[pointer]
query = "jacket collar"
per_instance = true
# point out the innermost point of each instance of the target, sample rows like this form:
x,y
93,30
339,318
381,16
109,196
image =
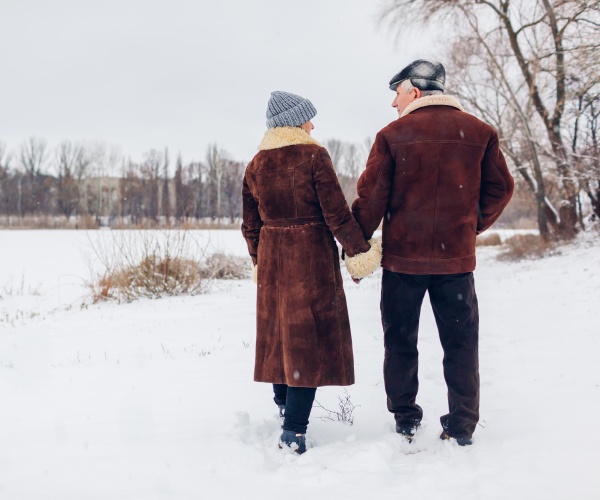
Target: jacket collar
x,y
279,137
432,100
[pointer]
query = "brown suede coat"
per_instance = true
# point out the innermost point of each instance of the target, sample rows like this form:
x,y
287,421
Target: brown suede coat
x,y
437,178
293,207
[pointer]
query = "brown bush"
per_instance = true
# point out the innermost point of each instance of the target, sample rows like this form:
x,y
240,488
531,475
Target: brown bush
x,y
488,240
153,277
226,267
526,246
150,264
156,277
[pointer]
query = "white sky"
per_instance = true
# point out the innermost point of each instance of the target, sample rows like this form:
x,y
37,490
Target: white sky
x,y
143,74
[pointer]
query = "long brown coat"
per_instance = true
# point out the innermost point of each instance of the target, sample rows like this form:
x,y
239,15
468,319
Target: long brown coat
x,y
293,208
437,177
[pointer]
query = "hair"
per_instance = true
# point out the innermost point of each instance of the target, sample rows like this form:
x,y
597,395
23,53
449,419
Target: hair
x,y
408,87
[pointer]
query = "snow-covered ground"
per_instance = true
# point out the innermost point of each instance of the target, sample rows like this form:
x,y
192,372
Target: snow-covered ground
x,y
155,399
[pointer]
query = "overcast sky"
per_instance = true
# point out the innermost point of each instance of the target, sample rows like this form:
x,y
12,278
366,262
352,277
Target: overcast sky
x,y
143,74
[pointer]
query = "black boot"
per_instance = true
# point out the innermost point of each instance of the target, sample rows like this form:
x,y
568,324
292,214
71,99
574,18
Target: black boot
x,y
462,441
293,440
407,430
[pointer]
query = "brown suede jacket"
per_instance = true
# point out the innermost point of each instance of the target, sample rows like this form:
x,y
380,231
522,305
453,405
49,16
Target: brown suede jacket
x,y
437,177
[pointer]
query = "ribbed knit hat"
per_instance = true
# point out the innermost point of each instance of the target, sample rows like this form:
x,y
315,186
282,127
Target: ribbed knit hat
x,y
288,110
423,74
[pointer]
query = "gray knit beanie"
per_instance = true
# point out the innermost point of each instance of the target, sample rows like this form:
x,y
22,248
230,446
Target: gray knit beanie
x,y
288,110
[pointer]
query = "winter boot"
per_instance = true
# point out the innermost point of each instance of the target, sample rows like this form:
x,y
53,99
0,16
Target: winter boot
x,y
407,431
462,441
293,440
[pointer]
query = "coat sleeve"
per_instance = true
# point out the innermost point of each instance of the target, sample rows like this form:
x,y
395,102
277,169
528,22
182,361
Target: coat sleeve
x,y
334,207
497,185
251,221
374,187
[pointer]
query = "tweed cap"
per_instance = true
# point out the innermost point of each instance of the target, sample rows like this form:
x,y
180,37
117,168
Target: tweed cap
x,y
288,110
423,74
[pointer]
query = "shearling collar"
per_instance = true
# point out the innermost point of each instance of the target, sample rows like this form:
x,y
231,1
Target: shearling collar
x,y
432,100
279,137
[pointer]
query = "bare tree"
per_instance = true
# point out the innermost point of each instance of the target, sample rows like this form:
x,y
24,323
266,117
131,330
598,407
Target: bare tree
x,y
348,160
151,167
585,147
216,163
34,155
335,148
165,198
5,181
232,189
67,195
33,158
200,189
529,54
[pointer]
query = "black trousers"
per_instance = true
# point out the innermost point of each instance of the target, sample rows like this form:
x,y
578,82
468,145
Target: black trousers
x,y
456,312
298,403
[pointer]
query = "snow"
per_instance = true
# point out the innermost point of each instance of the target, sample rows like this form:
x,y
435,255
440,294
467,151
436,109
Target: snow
x,y
155,399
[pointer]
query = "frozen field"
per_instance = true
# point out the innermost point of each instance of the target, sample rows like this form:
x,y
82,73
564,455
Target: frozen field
x,y
155,399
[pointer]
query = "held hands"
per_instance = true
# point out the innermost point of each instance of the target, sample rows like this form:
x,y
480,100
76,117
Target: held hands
x,y
361,265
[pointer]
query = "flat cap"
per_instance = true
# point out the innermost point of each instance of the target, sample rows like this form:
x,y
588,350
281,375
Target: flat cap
x,y
423,74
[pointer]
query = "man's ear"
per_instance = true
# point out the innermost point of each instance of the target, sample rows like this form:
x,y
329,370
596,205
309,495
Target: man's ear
x,y
417,93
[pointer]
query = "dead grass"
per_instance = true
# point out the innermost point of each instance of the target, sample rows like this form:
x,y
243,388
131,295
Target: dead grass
x,y
153,277
527,246
48,222
87,221
226,267
154,264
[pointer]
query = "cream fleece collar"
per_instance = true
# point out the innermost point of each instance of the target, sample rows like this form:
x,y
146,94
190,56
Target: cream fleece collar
x,y
279,137
432,100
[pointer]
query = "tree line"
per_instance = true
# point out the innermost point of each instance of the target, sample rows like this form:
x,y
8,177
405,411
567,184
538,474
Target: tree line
x,y
94,183
90,185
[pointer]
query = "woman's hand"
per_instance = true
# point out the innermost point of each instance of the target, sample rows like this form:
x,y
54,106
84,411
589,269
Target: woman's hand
x,y
361,265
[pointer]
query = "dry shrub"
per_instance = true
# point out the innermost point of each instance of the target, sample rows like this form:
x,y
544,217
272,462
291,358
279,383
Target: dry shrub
x,y
152,278
526,246
488,240
226,267
154,264
344,413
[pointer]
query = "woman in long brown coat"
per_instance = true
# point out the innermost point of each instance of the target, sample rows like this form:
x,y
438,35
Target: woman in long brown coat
x,y
293,207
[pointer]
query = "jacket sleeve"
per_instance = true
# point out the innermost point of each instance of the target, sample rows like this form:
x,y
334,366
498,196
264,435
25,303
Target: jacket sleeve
x,y
497,185
335,210
374,187
251,221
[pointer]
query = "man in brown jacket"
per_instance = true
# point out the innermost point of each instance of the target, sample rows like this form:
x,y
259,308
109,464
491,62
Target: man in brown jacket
x,y
437,178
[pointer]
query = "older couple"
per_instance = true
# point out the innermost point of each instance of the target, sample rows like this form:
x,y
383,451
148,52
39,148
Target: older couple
x,y
437,178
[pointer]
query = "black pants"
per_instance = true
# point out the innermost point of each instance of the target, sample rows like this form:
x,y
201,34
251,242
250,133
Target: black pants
x,y
298,402
454,304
